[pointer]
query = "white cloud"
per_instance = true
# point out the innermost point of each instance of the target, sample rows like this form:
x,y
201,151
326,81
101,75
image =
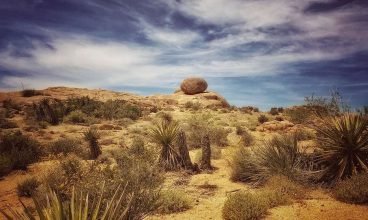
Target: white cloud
x,y
81,60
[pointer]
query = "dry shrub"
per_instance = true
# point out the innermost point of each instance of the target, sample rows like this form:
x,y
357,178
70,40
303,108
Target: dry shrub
x,y
171,201
28,186
244,206
66,146
17,151
262,119
201,125
353,190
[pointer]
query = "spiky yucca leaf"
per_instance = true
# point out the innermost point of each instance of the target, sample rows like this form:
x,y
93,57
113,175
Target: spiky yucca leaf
x,y
78,208
344,143
165,133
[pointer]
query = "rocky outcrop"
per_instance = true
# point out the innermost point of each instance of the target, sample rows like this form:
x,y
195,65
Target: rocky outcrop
x,y
194,85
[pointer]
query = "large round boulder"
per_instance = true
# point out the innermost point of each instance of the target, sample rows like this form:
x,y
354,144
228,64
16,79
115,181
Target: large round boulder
x,y
194,85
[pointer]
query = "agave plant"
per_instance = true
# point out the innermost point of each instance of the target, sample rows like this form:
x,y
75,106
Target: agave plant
x,y
344,143
165,134
78,208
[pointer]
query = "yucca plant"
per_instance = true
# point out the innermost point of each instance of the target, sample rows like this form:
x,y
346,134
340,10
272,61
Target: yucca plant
x,y
165,133
78,208
92,136
344,143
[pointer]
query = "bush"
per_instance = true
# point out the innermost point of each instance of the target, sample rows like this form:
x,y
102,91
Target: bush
x,y
137,147
17,151
201,125
7,124
262,119
28,187
353,190
247,139
274,111
115,109
172,201
244,206
299,114
279,118
286,187
51,111
344,144
76,116
65,175
30,92
278,156
193,105
65,146
239,130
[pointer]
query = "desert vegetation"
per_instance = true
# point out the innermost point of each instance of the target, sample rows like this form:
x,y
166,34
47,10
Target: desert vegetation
x,y
132,158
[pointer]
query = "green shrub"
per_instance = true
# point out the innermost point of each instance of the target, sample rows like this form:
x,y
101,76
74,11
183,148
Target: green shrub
x,y
140,171
115,109
19,150
262,119
201,125
299,114
92,136
244,206
65,175
171,201
137,147
344,143
51,111
352,190
28,187
30,92
65,146
278,156
76,116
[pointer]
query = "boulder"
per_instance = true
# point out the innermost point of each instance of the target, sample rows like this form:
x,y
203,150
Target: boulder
x,y
192,86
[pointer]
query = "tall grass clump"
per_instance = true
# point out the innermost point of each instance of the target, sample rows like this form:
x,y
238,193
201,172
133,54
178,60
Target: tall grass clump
x,y
262,119
344,143
92,136
278,156
66,146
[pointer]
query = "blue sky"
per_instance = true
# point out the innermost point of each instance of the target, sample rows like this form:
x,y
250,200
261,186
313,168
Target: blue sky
x,y
254,52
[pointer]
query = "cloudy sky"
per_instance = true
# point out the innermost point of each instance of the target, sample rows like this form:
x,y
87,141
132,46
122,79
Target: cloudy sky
x,y
254,52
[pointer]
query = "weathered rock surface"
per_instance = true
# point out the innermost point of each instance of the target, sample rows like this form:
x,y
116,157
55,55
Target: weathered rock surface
x,y
194,85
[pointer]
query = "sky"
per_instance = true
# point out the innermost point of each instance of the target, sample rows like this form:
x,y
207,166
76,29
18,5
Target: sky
x,y
254,52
